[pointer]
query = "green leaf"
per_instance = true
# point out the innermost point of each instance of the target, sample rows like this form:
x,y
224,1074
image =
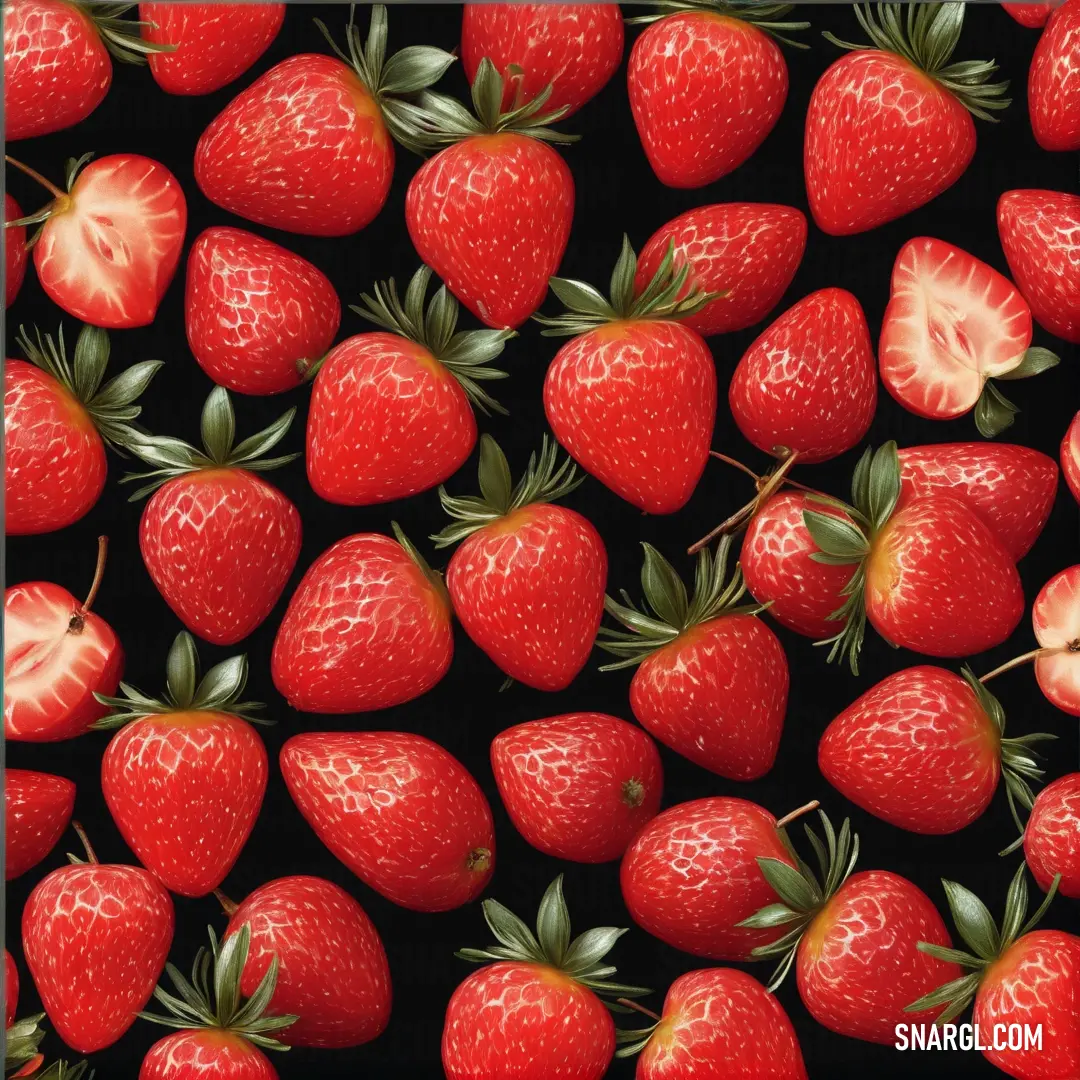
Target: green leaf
x,y
553,924
958,992
218,425
994,412
589,948
182,669
884,484
222,684
663,588
1016,904
580,297
511,931
126,387
622,278
90,361
414,68
792,888
487,94
772,915
973,921
494,475
837,537
1036,360
1042,908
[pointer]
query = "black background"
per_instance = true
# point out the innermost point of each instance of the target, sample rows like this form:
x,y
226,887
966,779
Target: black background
x,y
616,192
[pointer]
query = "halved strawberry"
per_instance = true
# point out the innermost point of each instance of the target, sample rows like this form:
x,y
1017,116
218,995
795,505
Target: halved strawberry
x,y
1052,836
747,253
954,323
1055,617
1054,81
1033,16
14,251
633,396
258,317
1070,457
37,809
392,413
111,241
57,656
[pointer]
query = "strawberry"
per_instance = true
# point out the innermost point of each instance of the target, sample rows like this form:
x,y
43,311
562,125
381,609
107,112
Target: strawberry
x,y
573,48
1052,836
1032,16
953,325
11,972
536,1011
1040,235
14,251
332,972
924,750
490,213
528,581
578,786
1054,81
308,146
95,937
930,576
57,66
706,87
1017,976
807,385
402,813
890,125
110,243
57,656
711,679
222,1031
689,877
1070,457
855,940
37,809
1055,617
212,44
392,412
56,409
218,541
747,253
717,1022
184,777
367,628
1012,488
633,396
258,317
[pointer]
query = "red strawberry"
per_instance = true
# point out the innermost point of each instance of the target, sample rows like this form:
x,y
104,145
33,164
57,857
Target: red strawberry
x,y
706,87
367,628
184,777
14,251
573,48
855,941
1052,836
56,410
221,1030
924,750
1032,16
528,581
633,396
689,877
1054,81
11,972
535,1012
746,252
1017,977
57,69
213,44
807,384
218,541
952,325
491,213
711,679
111,241
392,413
331,967
889,125
258,317
578,786
1055,617
308,146
57,656
402,813
1012,488
1070,457
930,576
1040,235
95,938
718,1022
37,809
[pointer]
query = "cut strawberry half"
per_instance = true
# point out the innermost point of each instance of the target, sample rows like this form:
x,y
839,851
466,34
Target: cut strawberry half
x,y
1055,617
952,324
1070,457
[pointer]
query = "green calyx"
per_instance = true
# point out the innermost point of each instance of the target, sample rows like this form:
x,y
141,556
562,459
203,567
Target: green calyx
x,y
994,412
174,457
433,576
580,958
802,893
587,308
218,690
122,37
390,79
21,1042
465,354
982,935
926,35
667,611
212,997
544,481
111,407
765,16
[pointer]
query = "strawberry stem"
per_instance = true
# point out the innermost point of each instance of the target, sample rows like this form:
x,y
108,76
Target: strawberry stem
x,y
48,185
99,573
787,819
639,1008
1026,658
227,905
80,832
